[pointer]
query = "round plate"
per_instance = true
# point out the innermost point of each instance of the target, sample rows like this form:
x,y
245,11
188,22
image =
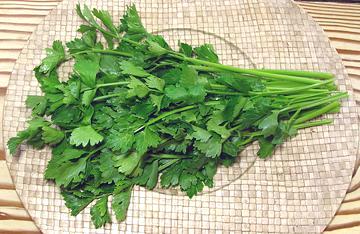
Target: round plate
x,y
297,190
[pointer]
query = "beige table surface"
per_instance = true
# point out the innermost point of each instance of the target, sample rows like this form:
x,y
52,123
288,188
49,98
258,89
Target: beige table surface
x,y
19,18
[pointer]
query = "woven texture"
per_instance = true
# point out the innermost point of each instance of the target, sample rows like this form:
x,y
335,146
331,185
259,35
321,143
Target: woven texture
x,y
296,190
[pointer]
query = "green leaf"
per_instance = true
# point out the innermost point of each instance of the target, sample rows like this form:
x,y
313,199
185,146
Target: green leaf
x,y
189,76
187,180
76,46
187,89
240,83
189,116
37,104
175,93
155,48
128,68
172,76
146,139
109,173
89,37
153,175
266,148
212,148
83,28
269,124
48,82
214,124
55,102
206,52
68,172
143,110
74,86
110,65
210,169
88,96
157,45
120,204
156,101
63,116
75,203
170,177
86,15
131,23
52,135
154,82
254,110
105,18
32,134
231,149
68,97
120,141
150,175
87,115
85,135
54,56
137,88
233,108
283,132
196,93
54,164
87,67
99,212
200,134
185,49
126,163
86,42
14,142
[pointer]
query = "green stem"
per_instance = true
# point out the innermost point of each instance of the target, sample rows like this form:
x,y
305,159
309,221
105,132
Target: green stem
x,y
257,73
160,65
315,113
309,98
313,124
223,92
217,86
114,52
312,95
304,91
164,115
130,41
167,164
253,135
168,113
107,96
204,68
310,74
169,156
307,105
105,32
112,84
294,116
295,90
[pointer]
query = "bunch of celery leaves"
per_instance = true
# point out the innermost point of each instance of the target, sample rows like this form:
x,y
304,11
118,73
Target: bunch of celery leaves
x,y
137,110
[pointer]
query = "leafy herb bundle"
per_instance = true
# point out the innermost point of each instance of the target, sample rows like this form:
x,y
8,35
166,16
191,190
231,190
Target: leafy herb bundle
x,y
137,110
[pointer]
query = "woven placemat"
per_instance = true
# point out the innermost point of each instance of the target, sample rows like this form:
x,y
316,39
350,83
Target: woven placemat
x,y
297,190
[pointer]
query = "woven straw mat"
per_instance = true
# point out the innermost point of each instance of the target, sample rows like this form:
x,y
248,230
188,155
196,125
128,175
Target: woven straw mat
x,y
297,190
